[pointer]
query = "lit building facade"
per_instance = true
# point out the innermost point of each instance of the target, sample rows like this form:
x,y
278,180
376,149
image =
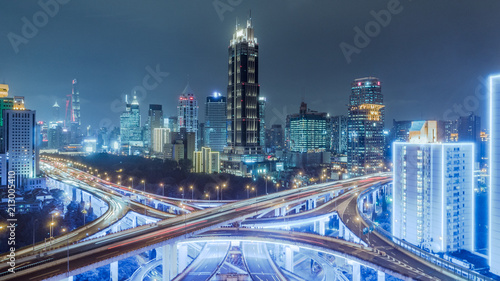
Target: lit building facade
x,y
339,134
433,191
216,122
494,166
244,151
243,90
155,120
171,123
20,150
308,130
187,113
130,123
161,136
262,121
365,151
206,161
469,130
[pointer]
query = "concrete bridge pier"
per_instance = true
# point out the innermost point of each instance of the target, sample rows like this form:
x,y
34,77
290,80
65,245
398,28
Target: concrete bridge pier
x,y
380,276
356,271
68,279
289,262
182,256
169,261
113,270
322,227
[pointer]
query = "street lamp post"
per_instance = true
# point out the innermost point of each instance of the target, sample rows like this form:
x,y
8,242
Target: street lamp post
x,y
248,191
277,186
223,186
132,180
144,185
217,192
67,250
162,189
192,193
182,190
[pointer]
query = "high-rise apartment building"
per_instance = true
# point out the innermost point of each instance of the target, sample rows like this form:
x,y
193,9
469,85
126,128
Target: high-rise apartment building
x,y
187,113
161,136
365,151
20,151
494,173
206,161
216,122
433,190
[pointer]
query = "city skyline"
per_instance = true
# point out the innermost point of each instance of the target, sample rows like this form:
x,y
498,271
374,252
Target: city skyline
x,y
325,140
448,90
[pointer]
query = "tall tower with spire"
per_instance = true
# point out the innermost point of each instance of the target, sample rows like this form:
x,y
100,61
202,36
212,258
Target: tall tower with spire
x,y
187,112
75,100
55,112
243,129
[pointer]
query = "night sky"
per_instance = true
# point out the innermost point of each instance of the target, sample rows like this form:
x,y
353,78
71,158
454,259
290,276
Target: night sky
x,y
429,57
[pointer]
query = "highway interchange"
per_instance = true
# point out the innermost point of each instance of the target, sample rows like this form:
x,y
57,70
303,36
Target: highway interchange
x,y
53,264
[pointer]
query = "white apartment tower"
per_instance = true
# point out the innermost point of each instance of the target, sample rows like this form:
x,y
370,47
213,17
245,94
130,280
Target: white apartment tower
x,y
433,196
494,165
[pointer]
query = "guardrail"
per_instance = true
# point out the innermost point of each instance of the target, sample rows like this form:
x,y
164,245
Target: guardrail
x,y
444,264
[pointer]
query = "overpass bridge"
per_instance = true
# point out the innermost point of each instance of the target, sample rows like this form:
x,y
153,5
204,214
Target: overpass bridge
x,y
166,234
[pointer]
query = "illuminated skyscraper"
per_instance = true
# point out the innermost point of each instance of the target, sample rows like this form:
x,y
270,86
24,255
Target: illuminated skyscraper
x,y
130,123
75,100
243,133
365,152
308,130
339,134
55,112
19,151
187,113
494,170
155,121
216,122
160,136
433,191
